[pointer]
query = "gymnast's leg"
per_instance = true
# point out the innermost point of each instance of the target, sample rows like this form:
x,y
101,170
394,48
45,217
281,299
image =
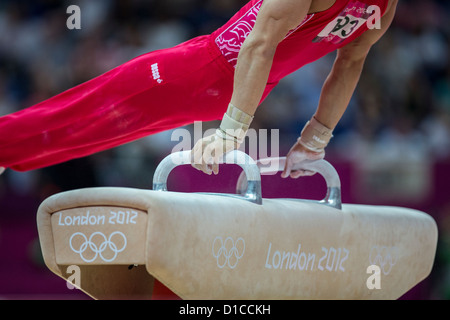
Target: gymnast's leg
x,y
151,93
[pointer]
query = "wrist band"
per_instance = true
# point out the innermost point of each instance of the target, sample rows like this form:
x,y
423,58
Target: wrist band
x,y
315,136
234,125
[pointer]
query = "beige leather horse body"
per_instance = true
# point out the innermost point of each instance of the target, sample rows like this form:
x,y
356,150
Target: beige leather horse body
x,y
222,246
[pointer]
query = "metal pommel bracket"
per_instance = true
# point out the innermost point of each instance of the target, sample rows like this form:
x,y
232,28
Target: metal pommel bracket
x,y
252,192
324,168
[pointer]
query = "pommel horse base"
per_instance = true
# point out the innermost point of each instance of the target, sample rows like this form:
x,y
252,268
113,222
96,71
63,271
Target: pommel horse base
x,y
234,246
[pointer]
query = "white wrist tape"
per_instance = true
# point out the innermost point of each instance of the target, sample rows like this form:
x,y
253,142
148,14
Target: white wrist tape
x,y
315,136
234,125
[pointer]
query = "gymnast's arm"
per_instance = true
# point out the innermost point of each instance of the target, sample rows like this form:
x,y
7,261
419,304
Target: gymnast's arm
x,y
274,20
335,96
344,76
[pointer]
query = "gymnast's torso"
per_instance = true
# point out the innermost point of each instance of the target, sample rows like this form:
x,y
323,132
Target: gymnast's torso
x,y
317,35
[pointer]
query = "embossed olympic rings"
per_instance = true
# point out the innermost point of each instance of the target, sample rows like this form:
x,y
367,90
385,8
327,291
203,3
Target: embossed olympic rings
x,y
228,252
98,248
384,257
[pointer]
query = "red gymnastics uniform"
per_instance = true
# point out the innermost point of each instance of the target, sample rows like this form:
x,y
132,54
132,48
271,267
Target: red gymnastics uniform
x,y
166,89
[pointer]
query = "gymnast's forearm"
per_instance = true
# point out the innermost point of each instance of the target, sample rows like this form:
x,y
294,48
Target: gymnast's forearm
x,y
251,74
338,90
336,94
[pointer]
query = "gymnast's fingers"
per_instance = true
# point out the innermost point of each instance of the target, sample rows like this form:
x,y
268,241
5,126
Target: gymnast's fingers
x,y
196,156
287,168
301,173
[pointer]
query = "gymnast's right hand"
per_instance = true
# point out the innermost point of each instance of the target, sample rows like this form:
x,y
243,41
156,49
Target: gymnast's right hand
x,y
207,152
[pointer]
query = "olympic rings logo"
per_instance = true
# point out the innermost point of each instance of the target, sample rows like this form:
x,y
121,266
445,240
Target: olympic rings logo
x,y
384,257
89,248
228,252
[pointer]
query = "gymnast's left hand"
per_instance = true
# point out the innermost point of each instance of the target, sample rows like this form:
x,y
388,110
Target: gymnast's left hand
x,y
296,155
207,153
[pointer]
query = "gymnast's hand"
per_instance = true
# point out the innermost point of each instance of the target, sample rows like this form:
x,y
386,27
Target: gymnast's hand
x,y
309,146
208,152
296,155
229,136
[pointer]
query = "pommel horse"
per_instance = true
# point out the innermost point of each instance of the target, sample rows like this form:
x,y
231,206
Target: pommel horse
x,y
234,246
